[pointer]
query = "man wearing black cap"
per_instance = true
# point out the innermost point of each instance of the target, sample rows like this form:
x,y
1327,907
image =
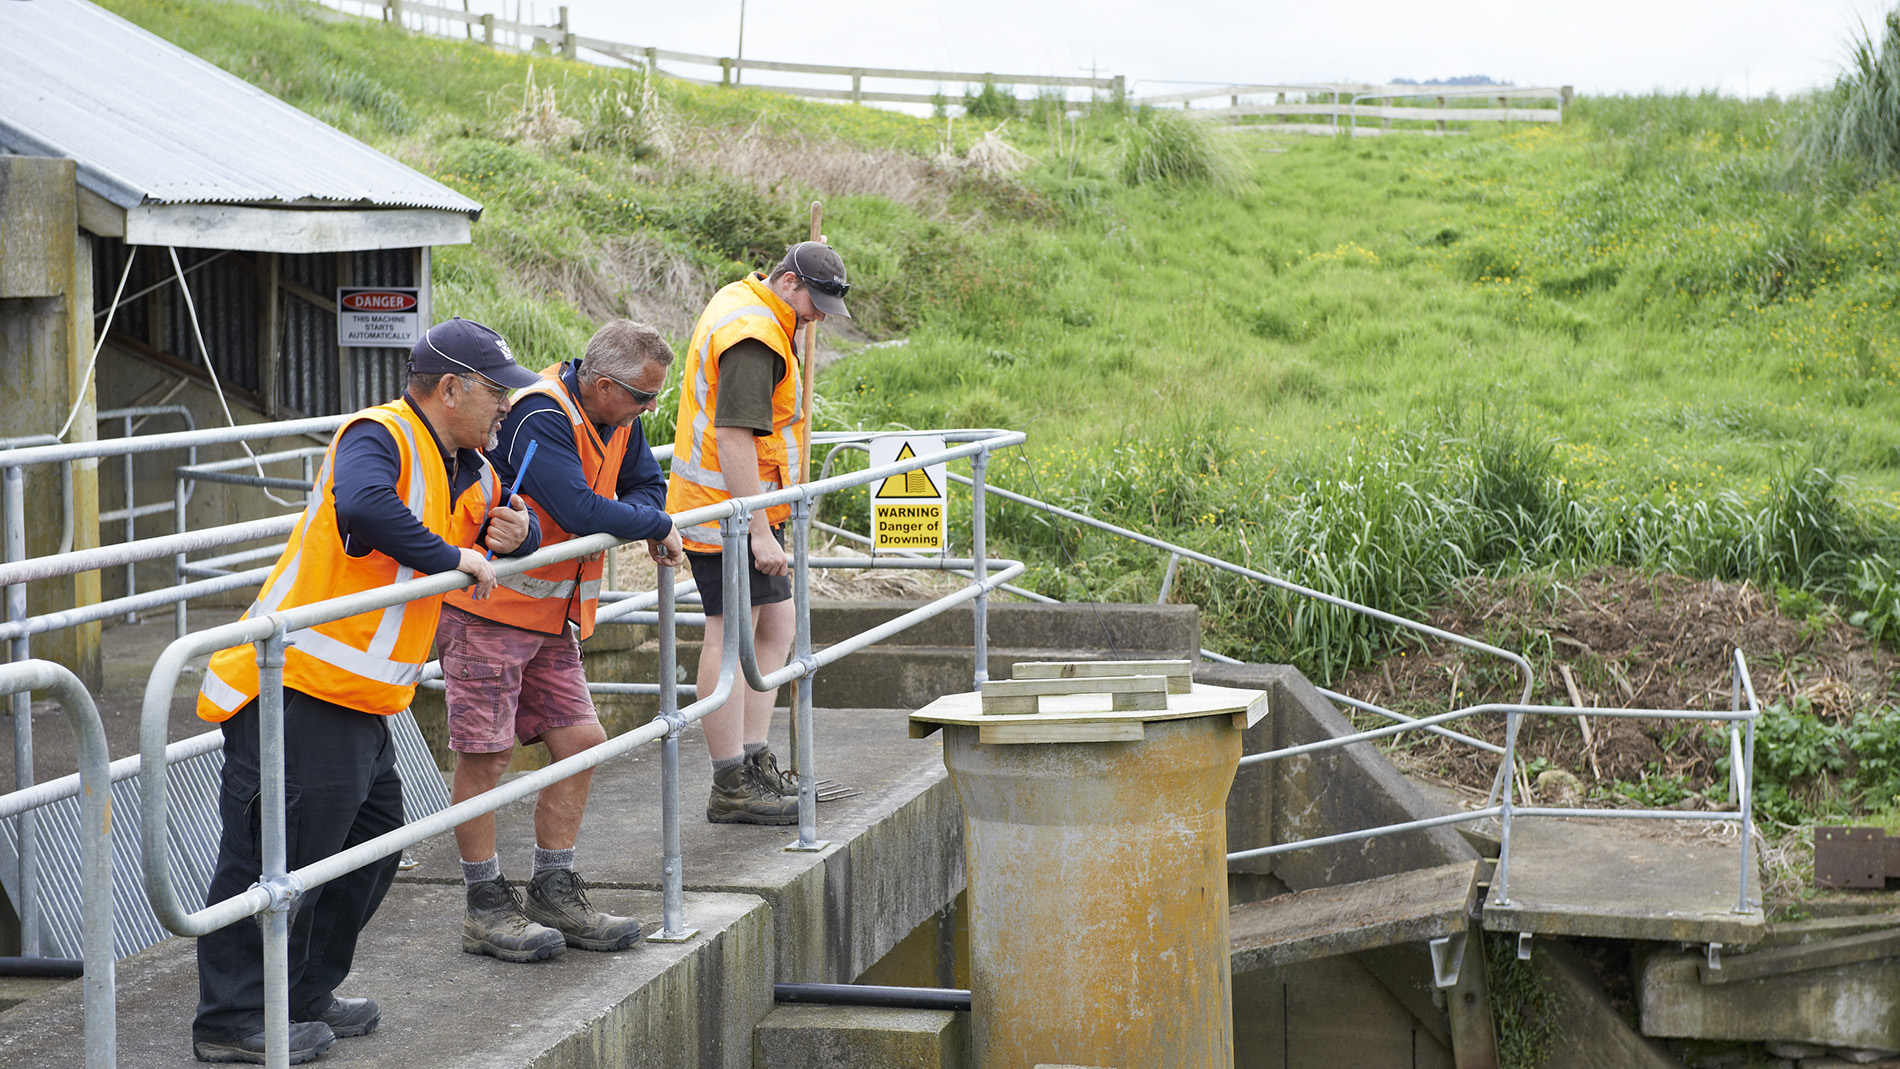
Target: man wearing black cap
x,y
738,435
403,492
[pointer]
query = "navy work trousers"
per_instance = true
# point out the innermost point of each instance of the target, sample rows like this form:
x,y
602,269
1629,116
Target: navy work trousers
x,y
341,789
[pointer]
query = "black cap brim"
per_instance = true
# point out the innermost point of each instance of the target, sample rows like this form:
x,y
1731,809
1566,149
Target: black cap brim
x,y
826,303
512,375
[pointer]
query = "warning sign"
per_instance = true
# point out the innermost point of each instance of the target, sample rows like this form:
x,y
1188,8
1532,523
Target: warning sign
x,y
382,318
907,509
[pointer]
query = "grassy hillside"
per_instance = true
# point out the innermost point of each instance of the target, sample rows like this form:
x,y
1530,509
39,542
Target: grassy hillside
x,y
1376,366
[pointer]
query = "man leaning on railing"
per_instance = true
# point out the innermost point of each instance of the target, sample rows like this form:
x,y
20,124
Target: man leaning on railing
x,y
403,491
513,663
737,436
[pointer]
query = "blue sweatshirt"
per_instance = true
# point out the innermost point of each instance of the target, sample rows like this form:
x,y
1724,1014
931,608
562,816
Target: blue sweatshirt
x,y
369,515
557,483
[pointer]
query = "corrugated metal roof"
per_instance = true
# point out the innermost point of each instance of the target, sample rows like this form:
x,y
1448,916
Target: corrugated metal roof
x,y
150,123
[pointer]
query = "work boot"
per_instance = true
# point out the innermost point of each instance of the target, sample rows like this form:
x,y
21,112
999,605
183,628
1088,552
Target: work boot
x,y
495,925
557,898
307,1040
351,1017
766,766
741,796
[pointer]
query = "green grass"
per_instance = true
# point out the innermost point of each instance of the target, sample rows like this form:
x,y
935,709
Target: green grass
x,y
1374,366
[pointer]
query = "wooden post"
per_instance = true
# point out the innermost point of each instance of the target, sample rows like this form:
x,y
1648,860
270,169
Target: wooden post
x,y
270,325
1441,122
857,87
725,71
1121,86
393,9
488,29
1280,98
653,60
569,46
1474,1038
810,363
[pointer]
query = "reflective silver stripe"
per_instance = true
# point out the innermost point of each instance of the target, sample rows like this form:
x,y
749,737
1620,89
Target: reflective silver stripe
x,y
702,417
705,534
590,590
529,586
697,475
316,644
222,694
389,627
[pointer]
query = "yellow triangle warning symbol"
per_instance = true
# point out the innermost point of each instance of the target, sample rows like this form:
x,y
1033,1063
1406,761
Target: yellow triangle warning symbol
x,y
908,483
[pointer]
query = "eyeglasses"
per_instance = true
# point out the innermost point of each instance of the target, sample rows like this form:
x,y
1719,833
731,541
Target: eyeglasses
x,y
499,391
640,397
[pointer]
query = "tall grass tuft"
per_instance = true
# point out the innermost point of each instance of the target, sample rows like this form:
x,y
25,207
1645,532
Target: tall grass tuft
x,y
1855,127
1166,147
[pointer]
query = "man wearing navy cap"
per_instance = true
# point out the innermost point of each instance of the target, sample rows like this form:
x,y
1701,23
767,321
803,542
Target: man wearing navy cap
x,y
404,492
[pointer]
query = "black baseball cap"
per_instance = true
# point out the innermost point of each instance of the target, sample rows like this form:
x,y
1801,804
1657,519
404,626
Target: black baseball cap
x,y
461,346
819,267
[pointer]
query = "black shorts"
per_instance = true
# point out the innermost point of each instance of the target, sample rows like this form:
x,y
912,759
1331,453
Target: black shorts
x,y
708,569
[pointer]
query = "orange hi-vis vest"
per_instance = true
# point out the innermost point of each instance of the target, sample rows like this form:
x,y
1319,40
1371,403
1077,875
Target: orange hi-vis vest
x,y
745,309
544,599
372,661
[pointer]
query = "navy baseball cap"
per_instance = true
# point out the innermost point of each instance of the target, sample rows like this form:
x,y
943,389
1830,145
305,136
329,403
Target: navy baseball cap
x,y
461,346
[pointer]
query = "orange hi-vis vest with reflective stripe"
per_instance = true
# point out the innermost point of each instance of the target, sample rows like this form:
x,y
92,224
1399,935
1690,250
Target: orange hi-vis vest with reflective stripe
x,y
544,599
745,309
372,661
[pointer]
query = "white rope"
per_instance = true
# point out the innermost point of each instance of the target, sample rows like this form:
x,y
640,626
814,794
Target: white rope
x,y
192,309
99,343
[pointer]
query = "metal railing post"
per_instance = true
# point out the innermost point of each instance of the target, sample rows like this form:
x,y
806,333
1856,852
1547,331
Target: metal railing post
x,y
1167,579
979,550
672,875
1502,880
95,826
801,689
131,527
270,754
1746,780
178,561
28,871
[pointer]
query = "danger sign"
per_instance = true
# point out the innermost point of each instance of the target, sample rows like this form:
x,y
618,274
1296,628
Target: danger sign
x,y
383,317
907,509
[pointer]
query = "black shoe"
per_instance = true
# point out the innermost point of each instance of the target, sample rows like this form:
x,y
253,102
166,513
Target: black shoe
x,y
307,1040
496,926
557,899
741,796
351,1017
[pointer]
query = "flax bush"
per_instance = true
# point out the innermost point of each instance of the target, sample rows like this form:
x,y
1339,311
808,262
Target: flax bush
x,y
1855,128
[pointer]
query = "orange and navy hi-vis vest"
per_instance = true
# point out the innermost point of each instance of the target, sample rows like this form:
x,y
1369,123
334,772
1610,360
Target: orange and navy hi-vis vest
x,y
745,309
372,661
544,599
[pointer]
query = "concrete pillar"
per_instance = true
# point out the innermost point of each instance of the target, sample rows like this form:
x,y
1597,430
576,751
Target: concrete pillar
x,y
1097,884
45,342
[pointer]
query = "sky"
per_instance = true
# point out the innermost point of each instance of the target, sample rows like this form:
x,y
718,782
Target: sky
x,y
1737,47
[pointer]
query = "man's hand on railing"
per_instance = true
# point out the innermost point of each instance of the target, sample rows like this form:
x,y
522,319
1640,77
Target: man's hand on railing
x,y
669,550
476,565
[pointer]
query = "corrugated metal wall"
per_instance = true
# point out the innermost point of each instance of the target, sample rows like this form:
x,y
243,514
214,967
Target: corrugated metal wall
x,y
379,374
306,351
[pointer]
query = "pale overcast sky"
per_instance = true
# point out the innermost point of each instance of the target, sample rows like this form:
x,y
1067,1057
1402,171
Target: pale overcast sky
x,y
1739,47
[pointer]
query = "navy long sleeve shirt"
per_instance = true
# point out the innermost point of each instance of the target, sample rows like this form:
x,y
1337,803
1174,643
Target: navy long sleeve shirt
x,y
557,483
369,515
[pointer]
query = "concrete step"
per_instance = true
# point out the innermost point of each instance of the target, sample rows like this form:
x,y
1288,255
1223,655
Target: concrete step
x,y
1023,625
859,1037
1410,907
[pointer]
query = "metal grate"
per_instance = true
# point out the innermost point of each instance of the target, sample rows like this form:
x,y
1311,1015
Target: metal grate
x,y
193,842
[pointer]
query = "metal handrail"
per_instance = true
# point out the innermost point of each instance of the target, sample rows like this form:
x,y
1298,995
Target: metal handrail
x,y
279,887
95,823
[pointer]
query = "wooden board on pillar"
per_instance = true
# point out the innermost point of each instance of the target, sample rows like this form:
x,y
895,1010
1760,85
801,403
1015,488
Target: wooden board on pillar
x,y
1409,907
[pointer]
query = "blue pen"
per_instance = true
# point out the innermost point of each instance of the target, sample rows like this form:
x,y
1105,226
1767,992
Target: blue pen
x,y
527,458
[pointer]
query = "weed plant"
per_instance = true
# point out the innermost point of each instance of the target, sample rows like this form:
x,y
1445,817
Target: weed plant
x,y
1854,130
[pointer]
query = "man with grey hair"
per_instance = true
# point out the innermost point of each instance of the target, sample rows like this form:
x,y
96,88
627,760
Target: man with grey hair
x,y
512,663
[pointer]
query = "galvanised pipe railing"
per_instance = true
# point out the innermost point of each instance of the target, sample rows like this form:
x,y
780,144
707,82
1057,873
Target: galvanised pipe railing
x,y
95,822
278,888
1741,778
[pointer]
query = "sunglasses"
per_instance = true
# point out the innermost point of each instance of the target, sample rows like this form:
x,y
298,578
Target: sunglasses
x,y
499,391
640,397
826,285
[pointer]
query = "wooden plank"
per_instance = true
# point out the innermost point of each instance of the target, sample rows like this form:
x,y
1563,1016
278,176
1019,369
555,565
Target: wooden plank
x,y
223,226
1352,89
1803,957
1406,908
1007,734
1179,673
1127,693
1474,1034
1203,700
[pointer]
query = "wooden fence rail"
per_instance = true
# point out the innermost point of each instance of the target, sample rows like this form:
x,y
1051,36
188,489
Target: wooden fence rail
x,y
560,38
1348,99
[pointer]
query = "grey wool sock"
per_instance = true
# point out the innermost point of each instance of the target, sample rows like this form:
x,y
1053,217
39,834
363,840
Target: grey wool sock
x,y
720,764
551,859
474,872
754,749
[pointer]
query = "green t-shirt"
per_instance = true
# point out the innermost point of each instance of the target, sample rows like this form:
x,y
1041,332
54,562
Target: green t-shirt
x,y
748,374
